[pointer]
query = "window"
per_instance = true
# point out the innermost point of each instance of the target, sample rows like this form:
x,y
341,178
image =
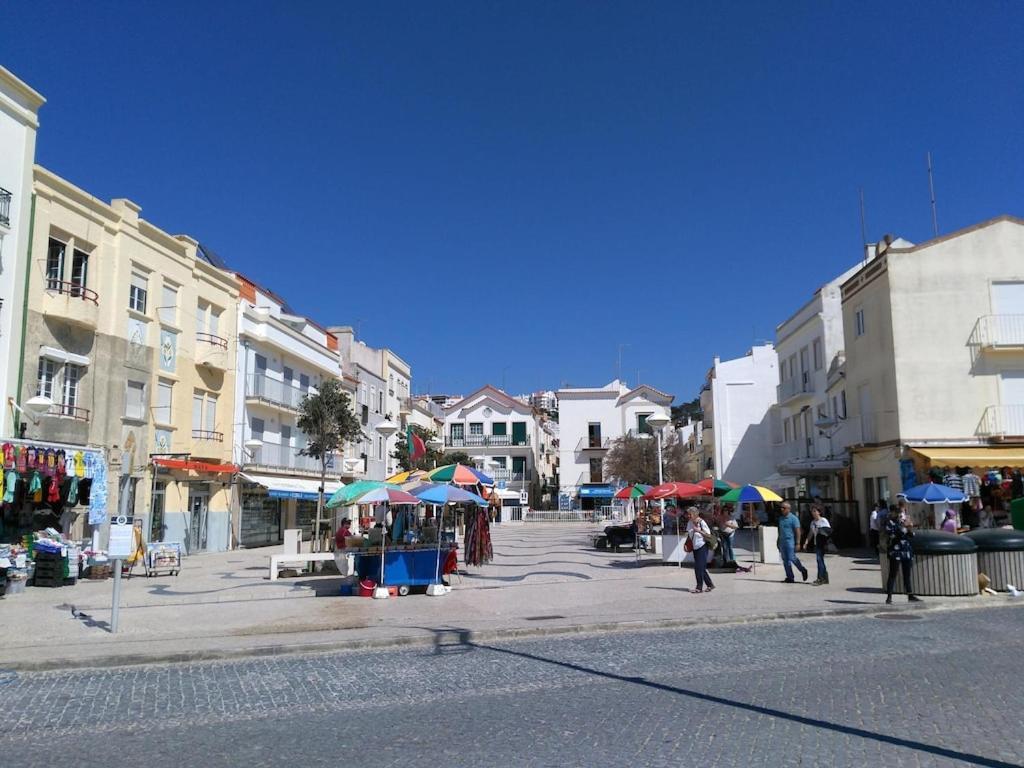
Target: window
x,y
164,396
135,401
380,447
380,402
365,414
214,321
500,462
289,375
362,394
303,382
858,320
257,427
819,355
373,399
286,434
168,309
805,366
210,423
787,434
499,428
204,413
45,377
138,291
54,264
883,488
260,363
476,428
596,471
642,427
79,272
69,399
458,432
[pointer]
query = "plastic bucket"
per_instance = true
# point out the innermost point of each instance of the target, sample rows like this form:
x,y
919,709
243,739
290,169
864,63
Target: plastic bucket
x,y
366,588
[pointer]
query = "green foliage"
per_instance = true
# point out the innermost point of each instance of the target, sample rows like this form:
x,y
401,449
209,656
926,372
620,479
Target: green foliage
x,y
327,420
431,459
684,411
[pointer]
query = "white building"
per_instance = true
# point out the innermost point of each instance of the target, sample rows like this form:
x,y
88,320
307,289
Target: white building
x,y
19,121
589,420
810,451
427,415
499,433
736,401
545,400
365,363
935,358
282,357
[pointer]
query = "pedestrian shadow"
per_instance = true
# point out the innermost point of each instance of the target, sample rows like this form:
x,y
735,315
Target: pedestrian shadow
x,y
866,590
671,589
757,709
851,602
521,577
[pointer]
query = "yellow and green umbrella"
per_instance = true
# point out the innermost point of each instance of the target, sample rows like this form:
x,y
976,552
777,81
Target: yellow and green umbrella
x,y
748,494
351,493
459,474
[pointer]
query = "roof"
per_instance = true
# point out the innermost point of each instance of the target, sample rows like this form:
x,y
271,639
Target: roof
x,y
206,254
492,391
646,389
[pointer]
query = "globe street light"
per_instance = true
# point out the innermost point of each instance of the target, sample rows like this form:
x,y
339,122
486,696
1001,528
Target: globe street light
x,y
657,422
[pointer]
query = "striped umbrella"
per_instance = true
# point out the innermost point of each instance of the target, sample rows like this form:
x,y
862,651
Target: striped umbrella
x,y
718,487
675,491
750,494
634,491
459,474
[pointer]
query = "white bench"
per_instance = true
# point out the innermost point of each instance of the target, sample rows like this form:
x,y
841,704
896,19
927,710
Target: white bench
x,y
276,561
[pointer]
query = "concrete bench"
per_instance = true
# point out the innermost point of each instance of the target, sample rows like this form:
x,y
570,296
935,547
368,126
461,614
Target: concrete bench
x,y
292,560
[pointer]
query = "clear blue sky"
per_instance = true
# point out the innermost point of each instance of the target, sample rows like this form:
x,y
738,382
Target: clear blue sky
x,y
512,189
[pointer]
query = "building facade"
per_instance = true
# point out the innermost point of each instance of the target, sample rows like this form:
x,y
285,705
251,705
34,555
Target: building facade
x,y
589,421
130,334
736,400
935,359
19,122
282,358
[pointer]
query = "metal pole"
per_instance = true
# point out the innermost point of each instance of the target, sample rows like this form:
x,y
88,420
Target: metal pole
x,y
931,189
116,607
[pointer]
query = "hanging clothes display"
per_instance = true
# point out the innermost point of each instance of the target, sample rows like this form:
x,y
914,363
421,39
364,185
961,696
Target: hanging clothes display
x,y
478,538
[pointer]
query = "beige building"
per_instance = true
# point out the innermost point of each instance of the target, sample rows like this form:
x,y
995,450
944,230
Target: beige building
x,y
934,341
131,333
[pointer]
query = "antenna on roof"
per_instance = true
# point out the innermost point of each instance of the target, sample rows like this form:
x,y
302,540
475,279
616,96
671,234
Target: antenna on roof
x,y
863,229
931,189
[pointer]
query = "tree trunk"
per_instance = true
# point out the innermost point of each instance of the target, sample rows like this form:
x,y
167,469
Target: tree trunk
x,y
319,503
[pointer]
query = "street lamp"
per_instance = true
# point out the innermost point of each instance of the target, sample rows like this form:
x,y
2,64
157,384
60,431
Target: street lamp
x,y
435,444
385,429
657,422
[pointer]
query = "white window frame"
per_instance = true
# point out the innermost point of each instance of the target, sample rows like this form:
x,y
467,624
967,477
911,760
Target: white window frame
x,y
71,380
168,312
138,295
818,353
141,389
207,421
163,413
50,368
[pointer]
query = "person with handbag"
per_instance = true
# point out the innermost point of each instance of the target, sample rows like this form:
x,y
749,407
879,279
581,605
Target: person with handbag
x,y
701,542
820,534
900,550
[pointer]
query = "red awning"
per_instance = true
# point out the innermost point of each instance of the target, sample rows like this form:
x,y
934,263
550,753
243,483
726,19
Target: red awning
x,y
196,466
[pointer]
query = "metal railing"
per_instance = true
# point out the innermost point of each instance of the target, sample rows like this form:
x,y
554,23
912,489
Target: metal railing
x,y
593,443
213,340
74,290
68,412
998,331
288,457
5,207
1002,421
484,441
208,434
260,387
794,387
597,515
509,476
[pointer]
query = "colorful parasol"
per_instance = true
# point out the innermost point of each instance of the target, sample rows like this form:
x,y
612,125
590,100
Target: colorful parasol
x,y
407,477
347,495
439,493
634,491
750,494
386,495
718,487
459,474
675,491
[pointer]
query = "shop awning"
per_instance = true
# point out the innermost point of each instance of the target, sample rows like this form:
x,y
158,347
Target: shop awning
x,y
293,487
994,456
597,491
196,466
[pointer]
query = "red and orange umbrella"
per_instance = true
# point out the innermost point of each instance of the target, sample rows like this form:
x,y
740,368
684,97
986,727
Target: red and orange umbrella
x,y
675,491
718,487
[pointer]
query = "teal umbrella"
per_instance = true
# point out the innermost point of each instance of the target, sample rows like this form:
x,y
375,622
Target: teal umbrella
x,y
350,493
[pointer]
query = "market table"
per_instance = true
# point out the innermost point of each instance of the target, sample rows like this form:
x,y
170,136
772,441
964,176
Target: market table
x,y
1000,555
944,564
404,567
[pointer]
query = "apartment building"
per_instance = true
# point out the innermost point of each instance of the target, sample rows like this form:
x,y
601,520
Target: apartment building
x,y
19,122
282,358
736,398
500,435
808,418
130,334
934,368
589,421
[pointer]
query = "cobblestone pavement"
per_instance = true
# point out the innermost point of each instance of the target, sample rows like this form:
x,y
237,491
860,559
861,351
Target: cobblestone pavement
x,y
927,689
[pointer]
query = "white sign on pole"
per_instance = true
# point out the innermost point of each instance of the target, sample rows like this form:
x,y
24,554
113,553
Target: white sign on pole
x,y
523,497
121,543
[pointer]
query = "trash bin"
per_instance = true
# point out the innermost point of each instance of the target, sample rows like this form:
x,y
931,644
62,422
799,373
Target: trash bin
x,y
1000,555
944,564
1017,514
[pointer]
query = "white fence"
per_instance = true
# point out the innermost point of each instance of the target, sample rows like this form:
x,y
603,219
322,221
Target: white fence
x,y
602,514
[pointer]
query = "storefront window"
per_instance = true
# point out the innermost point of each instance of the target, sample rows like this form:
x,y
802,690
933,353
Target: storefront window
x,y
261,518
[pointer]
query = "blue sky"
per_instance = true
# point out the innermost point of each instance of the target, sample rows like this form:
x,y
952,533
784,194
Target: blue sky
x,y
509,191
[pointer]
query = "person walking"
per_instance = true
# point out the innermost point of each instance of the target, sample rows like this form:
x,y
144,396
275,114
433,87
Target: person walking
x,y
789,536
696,530
899,531
875,523
726,530
819,535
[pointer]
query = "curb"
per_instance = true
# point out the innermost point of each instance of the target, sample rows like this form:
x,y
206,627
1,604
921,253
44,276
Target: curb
x,y
455,636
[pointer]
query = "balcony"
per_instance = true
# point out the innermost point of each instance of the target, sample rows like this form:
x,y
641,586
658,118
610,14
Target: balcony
x,y
1002,422
71,303
593,443
485,441
212,351
73,412
405,406
998,332
798,386
508,476
207,436
5,208
278,456
263,389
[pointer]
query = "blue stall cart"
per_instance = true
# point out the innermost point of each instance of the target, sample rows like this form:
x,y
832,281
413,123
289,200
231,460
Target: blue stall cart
x,y
403,568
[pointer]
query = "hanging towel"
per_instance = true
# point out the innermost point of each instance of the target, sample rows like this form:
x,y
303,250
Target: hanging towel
x,y
20,458
53,490
10,487
72,492
35,487
79,464
8,450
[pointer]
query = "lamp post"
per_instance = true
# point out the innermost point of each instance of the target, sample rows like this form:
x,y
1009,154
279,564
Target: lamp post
x,y
435,444
657,422
385,429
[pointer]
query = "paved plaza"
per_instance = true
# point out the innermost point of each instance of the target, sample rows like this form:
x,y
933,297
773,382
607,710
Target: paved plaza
x,y
894,689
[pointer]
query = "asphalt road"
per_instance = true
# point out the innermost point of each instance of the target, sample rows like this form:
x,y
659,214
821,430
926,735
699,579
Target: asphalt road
x,y
917,689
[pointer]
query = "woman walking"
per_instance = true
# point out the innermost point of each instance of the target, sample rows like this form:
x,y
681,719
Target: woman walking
x,y
696,531
819,534
899,532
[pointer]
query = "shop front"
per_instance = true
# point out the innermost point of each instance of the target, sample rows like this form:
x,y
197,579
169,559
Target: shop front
x,y
596,495
192,501
271,503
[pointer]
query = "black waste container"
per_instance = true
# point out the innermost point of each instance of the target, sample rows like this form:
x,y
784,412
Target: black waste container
x,y
1000,555
944,564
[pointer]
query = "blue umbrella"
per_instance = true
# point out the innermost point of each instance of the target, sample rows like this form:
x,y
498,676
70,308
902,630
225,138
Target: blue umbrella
x,y
436,493
933,493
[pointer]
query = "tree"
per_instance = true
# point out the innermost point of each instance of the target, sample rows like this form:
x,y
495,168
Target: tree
x,y
684,411
635,459
458,457
327,420
429,460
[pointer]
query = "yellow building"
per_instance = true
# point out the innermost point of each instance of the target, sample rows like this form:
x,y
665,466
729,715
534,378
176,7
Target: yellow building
x,y
131,333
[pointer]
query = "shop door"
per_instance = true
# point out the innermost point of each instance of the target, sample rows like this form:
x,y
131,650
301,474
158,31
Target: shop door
x,y
261,520
198,505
